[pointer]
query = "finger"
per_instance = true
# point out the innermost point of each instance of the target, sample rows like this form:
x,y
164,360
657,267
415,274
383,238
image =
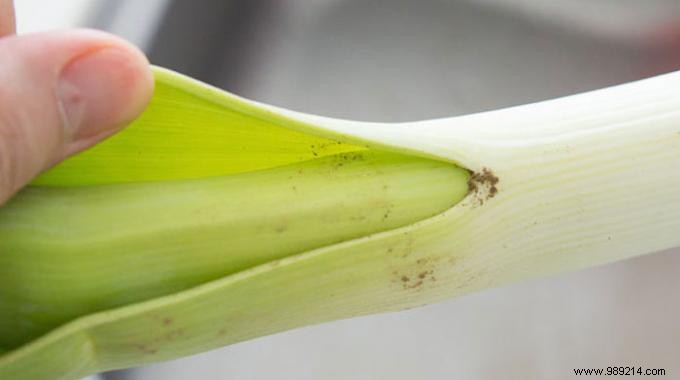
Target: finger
x,y
60,93
7,20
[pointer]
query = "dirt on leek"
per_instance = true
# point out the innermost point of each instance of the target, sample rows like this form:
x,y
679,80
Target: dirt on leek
x,y
72,251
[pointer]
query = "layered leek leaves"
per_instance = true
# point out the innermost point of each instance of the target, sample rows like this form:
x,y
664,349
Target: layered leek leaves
x,y
214,219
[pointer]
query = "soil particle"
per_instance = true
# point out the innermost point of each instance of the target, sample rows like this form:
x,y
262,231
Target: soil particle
x,y
145,349
419,280
482,185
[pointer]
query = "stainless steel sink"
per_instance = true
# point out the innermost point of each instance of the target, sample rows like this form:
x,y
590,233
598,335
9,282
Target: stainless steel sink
x,y
404,60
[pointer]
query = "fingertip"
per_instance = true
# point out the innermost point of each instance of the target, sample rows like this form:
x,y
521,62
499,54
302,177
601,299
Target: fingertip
x,y
101,91
62,92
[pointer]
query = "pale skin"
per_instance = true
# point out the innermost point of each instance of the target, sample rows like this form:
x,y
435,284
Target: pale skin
x,y
60,93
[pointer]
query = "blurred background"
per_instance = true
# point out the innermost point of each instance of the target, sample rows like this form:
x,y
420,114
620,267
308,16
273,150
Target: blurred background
x,y
399,60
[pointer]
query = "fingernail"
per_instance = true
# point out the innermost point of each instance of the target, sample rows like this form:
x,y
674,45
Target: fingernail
x,y
100,92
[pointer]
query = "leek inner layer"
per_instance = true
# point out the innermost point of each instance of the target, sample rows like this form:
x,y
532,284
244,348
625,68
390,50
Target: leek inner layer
x,y
70,251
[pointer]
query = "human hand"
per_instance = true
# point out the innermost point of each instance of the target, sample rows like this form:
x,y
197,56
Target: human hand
x,y
60,93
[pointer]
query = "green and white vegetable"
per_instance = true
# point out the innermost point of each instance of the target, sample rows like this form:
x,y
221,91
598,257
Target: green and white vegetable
x,y
214,219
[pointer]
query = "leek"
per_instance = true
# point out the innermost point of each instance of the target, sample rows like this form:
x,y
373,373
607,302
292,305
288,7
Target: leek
x,y
214,219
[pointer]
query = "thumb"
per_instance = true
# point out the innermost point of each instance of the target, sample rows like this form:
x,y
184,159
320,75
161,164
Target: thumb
x,y
61,92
